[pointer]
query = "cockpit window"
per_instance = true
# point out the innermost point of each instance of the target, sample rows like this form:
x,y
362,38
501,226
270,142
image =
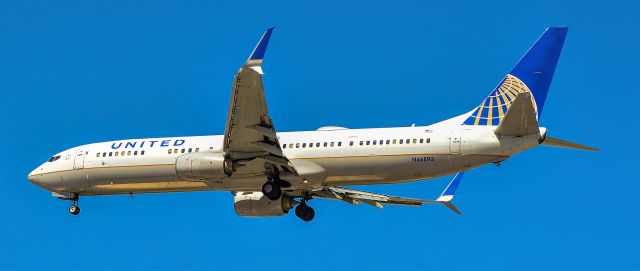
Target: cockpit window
x,y
54,158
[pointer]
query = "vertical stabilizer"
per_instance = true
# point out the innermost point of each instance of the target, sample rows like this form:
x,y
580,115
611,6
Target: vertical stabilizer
x,y
532,74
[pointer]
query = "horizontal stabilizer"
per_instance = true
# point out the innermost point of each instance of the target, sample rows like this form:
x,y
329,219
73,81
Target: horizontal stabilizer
x,y
554,142
520,118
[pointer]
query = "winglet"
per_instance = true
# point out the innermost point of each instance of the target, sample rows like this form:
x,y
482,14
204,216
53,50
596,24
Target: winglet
x,y
261,48
448,193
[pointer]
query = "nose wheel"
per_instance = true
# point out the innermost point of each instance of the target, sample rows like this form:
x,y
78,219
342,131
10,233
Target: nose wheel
x,y
74,209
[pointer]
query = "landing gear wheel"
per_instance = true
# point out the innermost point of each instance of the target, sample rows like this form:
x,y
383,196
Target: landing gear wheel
x,y
272,190
304,212
74,209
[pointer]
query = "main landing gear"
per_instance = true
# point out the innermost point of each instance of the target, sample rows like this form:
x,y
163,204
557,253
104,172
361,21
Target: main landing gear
x,y
74,209
272,189
303,211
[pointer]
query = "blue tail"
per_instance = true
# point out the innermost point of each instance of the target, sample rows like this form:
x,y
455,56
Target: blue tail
x,y
533,74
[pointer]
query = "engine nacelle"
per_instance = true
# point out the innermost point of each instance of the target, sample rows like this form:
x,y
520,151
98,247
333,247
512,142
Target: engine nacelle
x,y
257,204
197,166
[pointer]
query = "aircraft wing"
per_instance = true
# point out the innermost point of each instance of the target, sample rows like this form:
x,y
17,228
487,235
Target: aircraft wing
x,y
377,200
250,136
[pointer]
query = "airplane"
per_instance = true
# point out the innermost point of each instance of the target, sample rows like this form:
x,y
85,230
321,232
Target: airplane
x,y
269,172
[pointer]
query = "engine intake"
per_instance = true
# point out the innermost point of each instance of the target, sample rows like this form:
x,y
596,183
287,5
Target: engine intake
x,y
198,166
257,204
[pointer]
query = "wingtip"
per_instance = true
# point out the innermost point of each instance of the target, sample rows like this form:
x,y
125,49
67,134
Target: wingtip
x,y
453,185
260,50
452,207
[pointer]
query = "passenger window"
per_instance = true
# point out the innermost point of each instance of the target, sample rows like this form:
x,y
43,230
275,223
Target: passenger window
x,y
374,142
318,144
325,144
122,153
104,154
368,142
129,153
297,145
135,153
400,141
361,142
428,140
407,141
388,141
182,150
350,143
304,145
141,152
290,145
414,141
117,153
190,149
331,144
170,151
284,146
421,140
97,154
197,149
339,143
310,145
395,141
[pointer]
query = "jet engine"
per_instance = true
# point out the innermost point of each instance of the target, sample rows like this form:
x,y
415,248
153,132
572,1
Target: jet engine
x,y
257,204
198,166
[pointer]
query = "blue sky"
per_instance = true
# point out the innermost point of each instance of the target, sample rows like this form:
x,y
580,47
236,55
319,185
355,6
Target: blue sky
x,y
77,72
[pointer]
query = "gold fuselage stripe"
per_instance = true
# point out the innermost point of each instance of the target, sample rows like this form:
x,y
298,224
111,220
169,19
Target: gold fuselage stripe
x,y
302,158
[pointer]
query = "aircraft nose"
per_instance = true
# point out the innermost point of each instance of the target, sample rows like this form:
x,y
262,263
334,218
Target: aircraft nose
x,y
36,178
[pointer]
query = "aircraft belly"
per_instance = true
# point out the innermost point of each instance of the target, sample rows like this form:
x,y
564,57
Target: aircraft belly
x,y
398,169
152,178
373,169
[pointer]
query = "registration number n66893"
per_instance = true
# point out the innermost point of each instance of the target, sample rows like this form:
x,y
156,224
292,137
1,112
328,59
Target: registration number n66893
x,y
423,159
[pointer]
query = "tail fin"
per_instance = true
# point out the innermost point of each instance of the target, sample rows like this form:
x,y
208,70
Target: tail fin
x,y
533,74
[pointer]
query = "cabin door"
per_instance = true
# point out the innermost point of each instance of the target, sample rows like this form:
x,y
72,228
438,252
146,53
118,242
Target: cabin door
x,y
455,139
78,160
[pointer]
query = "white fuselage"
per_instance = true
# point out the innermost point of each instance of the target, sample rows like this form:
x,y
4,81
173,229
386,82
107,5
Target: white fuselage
x,y
327,157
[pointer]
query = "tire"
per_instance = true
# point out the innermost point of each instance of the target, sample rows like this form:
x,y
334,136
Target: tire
x,y
310,215
304,212
74,210
271,190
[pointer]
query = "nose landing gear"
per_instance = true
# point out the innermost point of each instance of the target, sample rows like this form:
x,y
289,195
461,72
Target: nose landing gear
x,y
74,209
